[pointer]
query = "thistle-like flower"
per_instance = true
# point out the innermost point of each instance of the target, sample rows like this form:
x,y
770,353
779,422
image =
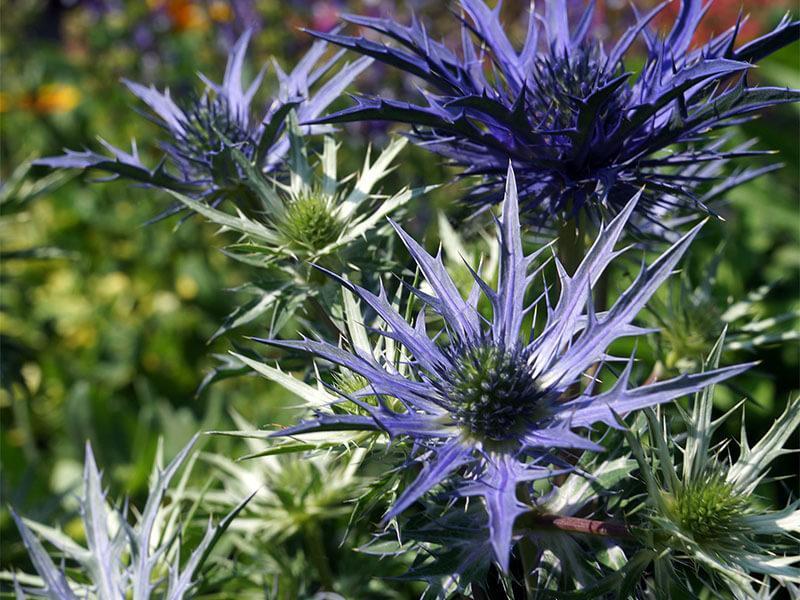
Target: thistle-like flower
x,y
692,318
316,216
200,131
582,132
487,403
140,559
703,506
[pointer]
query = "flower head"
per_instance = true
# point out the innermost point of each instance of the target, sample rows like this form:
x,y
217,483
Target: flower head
x,y
582,132
692,318
487,403
703,507
200,131
315,217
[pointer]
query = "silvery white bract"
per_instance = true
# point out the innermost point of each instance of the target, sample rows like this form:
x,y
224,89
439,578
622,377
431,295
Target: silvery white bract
x,y
487,403
141,559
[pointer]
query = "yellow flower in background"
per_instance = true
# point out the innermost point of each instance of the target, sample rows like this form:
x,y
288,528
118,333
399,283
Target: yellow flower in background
x,y
220,11
52,98
186,287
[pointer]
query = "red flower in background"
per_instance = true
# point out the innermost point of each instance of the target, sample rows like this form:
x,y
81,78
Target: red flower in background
x,y
761,15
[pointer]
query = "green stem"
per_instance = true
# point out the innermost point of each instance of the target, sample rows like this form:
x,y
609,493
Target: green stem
x,y
315,547
570,245
527,550
321,316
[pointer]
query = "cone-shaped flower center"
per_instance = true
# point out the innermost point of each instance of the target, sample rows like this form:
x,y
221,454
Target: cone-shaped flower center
x,y
709,510
309,223
208,126
492,392
694,328
564,82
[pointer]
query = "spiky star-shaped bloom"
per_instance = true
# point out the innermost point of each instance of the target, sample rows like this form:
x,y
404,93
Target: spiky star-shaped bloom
x,y
200,131
582,132
488,404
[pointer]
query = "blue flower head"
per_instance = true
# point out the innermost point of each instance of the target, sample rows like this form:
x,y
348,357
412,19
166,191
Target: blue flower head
x,y
201,130
487,403
583,133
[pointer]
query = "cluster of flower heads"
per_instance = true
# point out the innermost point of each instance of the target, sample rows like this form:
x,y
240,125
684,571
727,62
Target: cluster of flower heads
x,y
583,133
202,130
495,392
488,403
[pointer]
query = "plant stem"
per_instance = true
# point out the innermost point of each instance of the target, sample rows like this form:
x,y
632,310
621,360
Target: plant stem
x,y
570,245
527,550
655,374
321,316
612,529
315,546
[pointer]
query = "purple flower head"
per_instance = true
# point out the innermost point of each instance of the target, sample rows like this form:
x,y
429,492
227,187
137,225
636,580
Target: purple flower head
x,y
488,404
583,133
201,130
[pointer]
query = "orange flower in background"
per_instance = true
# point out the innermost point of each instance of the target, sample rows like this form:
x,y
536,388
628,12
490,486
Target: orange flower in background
x,y
220,12
184,15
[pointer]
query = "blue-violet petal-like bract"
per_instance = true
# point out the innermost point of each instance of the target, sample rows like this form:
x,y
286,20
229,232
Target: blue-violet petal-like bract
x,y
583,133
488,404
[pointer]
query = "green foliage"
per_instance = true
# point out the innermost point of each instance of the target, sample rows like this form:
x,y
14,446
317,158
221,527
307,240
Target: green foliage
x,y
108,326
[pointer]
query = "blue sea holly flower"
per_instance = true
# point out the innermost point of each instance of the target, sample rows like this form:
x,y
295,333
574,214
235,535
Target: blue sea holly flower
x,y
200,131
583,133
487,404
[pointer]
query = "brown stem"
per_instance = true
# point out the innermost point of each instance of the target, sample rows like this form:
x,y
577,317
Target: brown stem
x,y
613,529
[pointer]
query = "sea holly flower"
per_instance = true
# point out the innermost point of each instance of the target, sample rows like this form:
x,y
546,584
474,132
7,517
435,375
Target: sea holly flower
x,y
703,507
583,133
298,497
487,403
315,217
201,130
139,558
693,317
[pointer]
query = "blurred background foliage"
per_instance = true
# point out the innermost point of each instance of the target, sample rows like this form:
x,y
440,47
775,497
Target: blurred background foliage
x,y
105,320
